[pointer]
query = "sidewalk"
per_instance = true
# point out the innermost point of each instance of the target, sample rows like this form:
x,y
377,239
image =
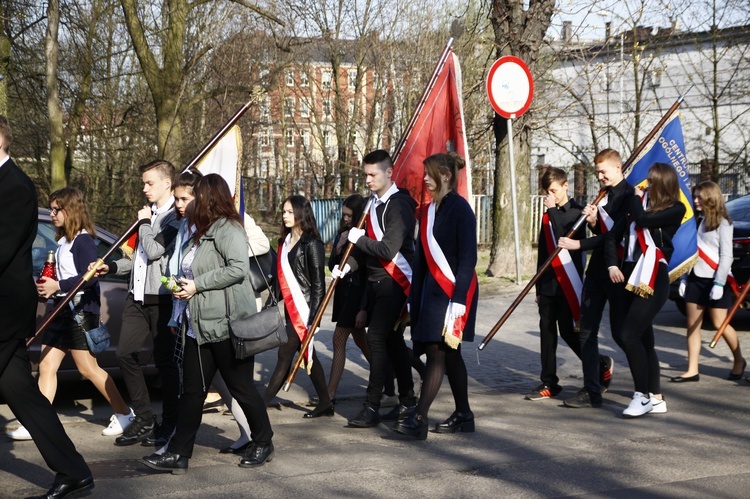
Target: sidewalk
x,y
520,449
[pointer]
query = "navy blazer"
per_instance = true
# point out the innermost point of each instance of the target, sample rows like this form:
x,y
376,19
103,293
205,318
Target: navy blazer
x,y
455,230
18,222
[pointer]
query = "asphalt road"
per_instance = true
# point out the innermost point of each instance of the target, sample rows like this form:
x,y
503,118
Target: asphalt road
x,y
520,449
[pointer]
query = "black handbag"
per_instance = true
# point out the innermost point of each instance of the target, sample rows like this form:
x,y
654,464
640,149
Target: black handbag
x,y
97,338
263,270
258,332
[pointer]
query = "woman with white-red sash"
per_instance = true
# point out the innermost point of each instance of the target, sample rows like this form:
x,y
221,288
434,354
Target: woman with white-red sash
x,y
301,284
646,235
444,294
704,288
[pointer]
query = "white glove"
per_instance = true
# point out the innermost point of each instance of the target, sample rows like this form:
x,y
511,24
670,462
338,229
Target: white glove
x,y
717,292
457,310
338,273
355,234
681,289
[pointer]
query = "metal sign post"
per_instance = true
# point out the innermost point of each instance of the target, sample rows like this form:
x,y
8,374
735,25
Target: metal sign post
x,y
510,88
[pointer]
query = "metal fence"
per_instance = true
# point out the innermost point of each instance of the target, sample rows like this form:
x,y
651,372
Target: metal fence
x,y
327,214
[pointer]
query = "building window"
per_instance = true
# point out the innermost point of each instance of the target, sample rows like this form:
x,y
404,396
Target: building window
x,y
352,79
304,81
326,80
289,78
326,138
304,108
290,138
327,107
265,138
264,167
289,107
305,136
265,108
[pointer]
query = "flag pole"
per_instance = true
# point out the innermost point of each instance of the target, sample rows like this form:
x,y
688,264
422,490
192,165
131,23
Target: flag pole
x,y
579,223
254,97
737,304
399,146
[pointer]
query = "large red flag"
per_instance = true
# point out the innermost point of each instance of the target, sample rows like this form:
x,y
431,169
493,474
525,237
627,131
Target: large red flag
x,y
438,128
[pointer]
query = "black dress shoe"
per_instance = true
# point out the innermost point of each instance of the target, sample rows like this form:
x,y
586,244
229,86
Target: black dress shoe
x,y
138,431
68,489
168,461
160,437
257,455
737,377
318,412
367,418
399,413
685,379
235,450
459,421
414,426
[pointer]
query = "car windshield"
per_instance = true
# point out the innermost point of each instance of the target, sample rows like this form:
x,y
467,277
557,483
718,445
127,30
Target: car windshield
x,y
739,209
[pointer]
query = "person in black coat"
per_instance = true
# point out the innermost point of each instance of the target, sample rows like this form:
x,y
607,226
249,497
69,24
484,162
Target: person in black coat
x,y
301,245
18,302
444,294
646,234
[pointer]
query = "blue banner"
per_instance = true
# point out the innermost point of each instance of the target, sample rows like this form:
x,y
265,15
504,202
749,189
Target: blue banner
x,y
669,148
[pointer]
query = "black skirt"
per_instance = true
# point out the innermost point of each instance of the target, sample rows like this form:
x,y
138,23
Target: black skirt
x,y
66,334
698,291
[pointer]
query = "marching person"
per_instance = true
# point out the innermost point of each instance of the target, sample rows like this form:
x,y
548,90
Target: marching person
x,y
598,289
558,289
18,303
75,251
301,284
349,299
148,308
704,287
653,218
214,269
444,294
389,249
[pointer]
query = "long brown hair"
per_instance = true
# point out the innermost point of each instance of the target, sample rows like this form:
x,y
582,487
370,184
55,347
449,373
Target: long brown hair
x,y
303,217
213,201
77,215
664,187
712,204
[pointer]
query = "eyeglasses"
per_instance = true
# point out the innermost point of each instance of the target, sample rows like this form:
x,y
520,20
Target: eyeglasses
x,y
55,211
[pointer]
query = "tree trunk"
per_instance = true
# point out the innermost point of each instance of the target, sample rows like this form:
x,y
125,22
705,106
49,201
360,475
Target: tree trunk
x,y
57,153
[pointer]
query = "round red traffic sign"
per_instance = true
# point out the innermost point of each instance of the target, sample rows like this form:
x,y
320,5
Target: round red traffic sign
x,y
510,87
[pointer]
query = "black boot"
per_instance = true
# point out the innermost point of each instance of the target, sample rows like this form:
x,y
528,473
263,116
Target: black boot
x,y
459,421
257,455
414,426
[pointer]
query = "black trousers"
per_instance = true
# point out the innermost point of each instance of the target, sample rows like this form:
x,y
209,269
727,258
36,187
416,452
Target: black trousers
x,y
21,391
638,332
597,290
386,301
139,322
200,366
554,315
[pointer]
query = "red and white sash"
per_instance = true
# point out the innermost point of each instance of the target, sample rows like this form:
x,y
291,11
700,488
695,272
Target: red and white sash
x,y
710,257
565,270
443,274
641,281
606,223
294,299
398,268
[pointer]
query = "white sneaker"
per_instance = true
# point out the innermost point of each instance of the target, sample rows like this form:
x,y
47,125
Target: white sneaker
x,y
118,423
639,406
19,433
658,406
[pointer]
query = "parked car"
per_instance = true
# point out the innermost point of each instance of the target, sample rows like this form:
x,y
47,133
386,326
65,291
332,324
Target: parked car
x,y
114,289
739,212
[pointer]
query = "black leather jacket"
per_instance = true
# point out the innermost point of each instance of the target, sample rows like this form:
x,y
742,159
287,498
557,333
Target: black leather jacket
x,y
308,265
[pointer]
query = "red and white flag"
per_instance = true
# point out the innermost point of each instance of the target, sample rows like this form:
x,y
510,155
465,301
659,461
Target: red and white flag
x,y
438,128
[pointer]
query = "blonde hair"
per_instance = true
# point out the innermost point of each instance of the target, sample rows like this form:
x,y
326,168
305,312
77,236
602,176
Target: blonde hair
x,y
712,203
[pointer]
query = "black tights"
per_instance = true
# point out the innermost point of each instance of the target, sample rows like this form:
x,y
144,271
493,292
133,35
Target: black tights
x,y
442,360
286,357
